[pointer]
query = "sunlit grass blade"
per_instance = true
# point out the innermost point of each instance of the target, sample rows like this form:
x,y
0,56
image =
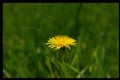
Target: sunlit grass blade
x,y
81,73
48,63
72,68
6,74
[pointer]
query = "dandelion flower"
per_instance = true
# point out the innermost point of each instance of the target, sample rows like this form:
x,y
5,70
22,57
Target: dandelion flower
x,y
60,41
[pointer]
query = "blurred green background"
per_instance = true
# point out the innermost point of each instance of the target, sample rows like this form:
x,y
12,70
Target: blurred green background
x,y
28,26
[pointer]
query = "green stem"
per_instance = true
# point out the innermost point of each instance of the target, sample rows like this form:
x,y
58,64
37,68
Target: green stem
x,y
63,60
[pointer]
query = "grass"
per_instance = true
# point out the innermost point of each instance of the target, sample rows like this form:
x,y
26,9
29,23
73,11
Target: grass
x,y
28,26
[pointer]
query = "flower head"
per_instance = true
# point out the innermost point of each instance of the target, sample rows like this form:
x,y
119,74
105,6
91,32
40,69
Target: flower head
x,y
60,41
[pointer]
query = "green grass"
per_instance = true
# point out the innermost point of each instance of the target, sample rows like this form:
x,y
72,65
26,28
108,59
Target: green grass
x,y
28,26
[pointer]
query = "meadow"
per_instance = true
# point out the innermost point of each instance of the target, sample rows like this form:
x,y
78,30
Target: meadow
x,y
28,26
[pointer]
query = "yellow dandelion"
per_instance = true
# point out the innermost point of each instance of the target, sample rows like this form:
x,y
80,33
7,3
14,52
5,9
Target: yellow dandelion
x,y
60,41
